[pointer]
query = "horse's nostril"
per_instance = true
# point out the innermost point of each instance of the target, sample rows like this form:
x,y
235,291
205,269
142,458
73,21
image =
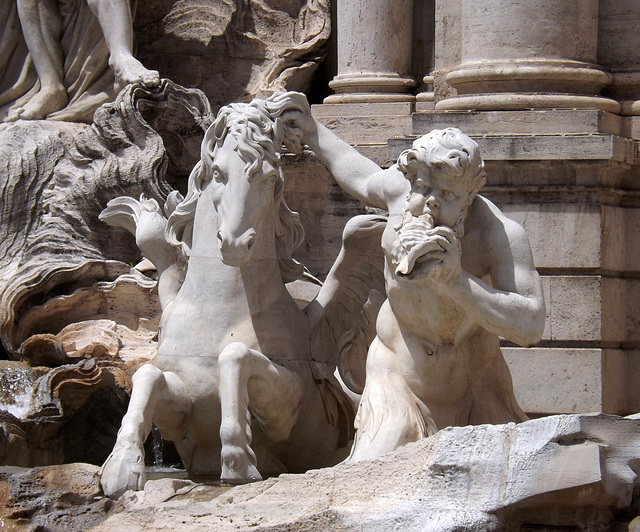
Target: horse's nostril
x,y
219,235
251,242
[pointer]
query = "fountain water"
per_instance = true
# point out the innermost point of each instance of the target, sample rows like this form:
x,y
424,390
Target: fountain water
x,y
17,382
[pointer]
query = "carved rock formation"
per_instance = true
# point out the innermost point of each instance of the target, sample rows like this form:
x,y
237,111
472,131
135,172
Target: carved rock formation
x,y
82,321
52,498
561,472
70,413
234,50
56,179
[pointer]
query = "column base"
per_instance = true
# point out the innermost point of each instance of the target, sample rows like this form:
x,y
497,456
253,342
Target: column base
x,y
425,101
626,89
370,97
371,87
529,75
511,101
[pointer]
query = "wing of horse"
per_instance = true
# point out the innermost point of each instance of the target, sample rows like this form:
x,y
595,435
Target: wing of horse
x,y
145,220
343,315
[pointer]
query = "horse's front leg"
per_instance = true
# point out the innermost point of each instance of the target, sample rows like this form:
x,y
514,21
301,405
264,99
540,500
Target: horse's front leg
x,y
251,384
156,397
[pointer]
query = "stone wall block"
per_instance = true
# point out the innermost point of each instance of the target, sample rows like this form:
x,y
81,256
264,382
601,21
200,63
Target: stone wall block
x,y
561,236
632,294
586,308
632,239
561,380
632,379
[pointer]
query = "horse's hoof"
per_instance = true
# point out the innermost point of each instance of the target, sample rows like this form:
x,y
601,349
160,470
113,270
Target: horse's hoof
x,y
237,468
123,471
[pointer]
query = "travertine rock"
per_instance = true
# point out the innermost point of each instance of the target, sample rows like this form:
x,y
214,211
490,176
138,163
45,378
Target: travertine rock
x,y
57,177
51,498
234,50
562,471
61,415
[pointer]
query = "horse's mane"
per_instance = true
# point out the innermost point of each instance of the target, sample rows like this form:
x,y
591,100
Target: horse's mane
x,y
260,134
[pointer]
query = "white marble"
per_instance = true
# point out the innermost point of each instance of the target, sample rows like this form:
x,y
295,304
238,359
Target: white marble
x,y
243,379
44,26
436,360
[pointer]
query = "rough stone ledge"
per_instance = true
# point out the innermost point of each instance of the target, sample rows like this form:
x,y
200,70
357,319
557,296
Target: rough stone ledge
x,y
591,147
558,471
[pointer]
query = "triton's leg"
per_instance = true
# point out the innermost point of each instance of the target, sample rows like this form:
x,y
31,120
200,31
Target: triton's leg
x,y
250,384
389,414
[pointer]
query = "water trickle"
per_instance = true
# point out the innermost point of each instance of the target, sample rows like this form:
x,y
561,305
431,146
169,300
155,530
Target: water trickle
x,y
162,458
17,382
158,460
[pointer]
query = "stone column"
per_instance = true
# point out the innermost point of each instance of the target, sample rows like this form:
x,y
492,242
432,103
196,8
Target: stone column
x,y
533,54
619,51
374,52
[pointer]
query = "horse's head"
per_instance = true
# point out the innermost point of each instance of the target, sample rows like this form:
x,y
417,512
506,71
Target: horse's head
x,y
244,197
239,173
241,152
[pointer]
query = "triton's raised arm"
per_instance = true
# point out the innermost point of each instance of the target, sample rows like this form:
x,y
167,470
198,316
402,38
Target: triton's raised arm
x,y
357,175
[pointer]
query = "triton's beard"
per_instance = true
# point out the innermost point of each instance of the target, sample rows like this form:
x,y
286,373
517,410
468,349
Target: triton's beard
x,y
406,249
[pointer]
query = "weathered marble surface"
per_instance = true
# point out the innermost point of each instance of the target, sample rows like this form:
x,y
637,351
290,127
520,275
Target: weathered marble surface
x,y
243,379
563,471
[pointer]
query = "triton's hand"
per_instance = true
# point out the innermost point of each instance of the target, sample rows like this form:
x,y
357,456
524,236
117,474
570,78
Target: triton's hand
x,y
298,125
448,268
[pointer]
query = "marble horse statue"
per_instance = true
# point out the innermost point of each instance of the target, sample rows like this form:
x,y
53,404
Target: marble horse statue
x,y
243,378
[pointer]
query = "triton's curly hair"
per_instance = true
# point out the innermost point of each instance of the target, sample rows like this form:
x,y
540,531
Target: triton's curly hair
x,y
449,151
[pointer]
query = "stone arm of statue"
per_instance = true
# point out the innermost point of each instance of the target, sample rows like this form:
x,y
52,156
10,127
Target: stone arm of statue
x,y
513,305
357,176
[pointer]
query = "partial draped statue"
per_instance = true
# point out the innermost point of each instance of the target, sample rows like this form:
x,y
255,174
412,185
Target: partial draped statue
x,y
62,59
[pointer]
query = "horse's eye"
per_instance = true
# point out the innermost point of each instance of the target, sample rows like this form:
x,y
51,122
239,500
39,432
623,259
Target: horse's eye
x,y
271,180
218,176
